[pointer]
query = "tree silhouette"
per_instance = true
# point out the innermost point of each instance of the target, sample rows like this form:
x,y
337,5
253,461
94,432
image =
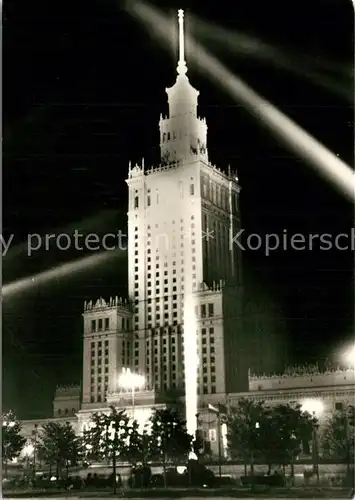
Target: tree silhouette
x,y
247,423
168,440
337,437
291,427
59,446
270,434
112,437
12,441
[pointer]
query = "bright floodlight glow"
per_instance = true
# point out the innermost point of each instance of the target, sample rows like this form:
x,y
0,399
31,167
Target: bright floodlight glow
x,y
60,271
348,356
130,381
28,450
292,135
224,436
5,423
253,48
313,406
190,360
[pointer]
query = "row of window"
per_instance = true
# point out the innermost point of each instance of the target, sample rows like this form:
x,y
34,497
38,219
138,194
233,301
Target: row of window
x,y
205,310
98,360
214,192
99,349
99,380
173,222
149,196
98,352
66,411
100,324
103,324
98,370
219,195
167,136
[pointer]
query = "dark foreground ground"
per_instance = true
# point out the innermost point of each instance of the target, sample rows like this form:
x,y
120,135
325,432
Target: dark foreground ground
x,y
225,494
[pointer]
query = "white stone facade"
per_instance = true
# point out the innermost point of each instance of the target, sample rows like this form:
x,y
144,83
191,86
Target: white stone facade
x,y
67,401
325,392
107,348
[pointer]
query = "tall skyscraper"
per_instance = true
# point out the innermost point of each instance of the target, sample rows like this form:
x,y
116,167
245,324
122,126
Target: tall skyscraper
x,y
181,216
184,327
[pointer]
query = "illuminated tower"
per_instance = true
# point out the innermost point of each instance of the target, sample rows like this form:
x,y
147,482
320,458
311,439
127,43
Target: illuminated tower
x,y
180,218
107,346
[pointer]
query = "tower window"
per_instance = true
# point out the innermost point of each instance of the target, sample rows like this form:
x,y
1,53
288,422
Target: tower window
x,y
107,323
148,200
210,310
100,324
192,189
93,325
136,202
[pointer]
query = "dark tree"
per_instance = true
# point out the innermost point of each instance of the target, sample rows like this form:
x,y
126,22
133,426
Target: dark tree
x,y
247,423
12,441
59,446
337,438
169,440
291,427
112,437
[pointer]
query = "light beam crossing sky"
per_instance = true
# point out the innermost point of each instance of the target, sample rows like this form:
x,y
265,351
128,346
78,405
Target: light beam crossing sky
x,y
302,144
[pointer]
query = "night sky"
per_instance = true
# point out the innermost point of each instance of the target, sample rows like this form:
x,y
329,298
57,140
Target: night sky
x,y
84,85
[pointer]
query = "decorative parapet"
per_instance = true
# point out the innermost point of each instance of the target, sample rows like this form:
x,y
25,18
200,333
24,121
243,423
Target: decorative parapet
x,y
124,397
101,304
217,286
302,379
301,371
140,171
66,391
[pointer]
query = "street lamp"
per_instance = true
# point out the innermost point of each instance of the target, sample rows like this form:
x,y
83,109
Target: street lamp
x,y
314,407
348,356
28,451
8,424
34,434
216,411
131,381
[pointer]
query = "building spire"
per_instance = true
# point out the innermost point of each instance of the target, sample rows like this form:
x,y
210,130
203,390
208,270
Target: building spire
x,y
181,67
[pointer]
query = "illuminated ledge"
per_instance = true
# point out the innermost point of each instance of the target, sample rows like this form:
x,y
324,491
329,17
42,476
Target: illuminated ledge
x,y
139,171
125,398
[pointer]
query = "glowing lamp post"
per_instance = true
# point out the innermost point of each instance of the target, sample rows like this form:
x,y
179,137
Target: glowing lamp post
x,y
348,356
28,451
314,407
131,381
216,411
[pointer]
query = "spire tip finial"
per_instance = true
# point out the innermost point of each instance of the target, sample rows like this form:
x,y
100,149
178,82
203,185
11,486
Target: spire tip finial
x,y
181,68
